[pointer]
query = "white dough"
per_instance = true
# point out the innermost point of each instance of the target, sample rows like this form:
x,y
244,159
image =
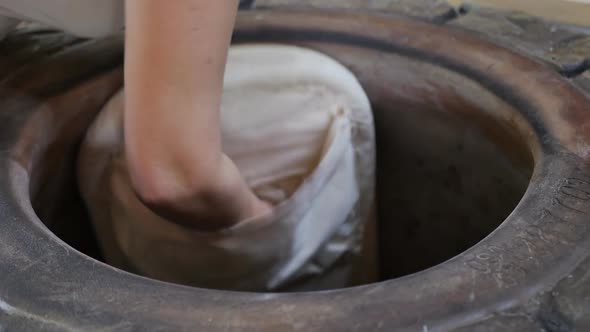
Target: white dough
x,y
299,127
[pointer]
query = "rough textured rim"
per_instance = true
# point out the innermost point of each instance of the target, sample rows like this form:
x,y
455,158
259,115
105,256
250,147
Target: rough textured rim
x,y
55,287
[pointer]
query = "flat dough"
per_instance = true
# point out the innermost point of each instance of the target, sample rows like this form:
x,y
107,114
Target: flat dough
x,y
299,127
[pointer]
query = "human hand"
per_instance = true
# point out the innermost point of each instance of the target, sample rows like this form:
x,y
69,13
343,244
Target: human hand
x,y
219,200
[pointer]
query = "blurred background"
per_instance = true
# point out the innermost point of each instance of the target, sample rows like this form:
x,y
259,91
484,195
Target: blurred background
x,y
570,11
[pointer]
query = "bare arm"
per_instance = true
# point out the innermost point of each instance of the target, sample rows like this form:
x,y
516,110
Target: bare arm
x,y
174,64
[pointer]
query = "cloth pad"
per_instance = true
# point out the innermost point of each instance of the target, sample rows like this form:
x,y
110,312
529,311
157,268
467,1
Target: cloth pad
x,y
299,127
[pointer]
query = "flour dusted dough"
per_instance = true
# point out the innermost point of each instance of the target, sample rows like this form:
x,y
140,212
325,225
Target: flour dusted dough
x,y
300,129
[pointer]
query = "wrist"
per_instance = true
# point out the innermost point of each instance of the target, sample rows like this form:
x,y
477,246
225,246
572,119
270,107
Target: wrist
x,y
203,200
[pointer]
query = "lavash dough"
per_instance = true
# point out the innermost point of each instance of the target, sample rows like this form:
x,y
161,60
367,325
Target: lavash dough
x,y
299,127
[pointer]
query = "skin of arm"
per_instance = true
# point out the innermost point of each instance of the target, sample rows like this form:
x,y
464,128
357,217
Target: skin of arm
x,y
175,54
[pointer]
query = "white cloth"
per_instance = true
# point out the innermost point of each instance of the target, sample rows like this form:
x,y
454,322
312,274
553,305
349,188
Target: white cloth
x,y
299,127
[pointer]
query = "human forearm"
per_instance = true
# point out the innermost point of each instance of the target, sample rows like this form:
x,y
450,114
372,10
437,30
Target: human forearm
x,y
175,59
